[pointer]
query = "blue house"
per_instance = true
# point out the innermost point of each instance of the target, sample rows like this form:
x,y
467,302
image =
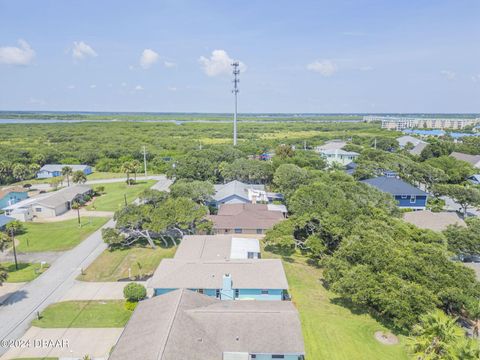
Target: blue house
x,y
12,196
54,170
223,279
406,195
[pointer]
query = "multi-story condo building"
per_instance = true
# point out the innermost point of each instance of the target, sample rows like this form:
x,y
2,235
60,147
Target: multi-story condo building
x,y
401,123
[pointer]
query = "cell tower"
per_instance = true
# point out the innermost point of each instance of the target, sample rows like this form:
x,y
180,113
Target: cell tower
x,y
235,91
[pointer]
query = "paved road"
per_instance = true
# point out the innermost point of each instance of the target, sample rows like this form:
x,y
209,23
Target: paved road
x,y
450,204
21,307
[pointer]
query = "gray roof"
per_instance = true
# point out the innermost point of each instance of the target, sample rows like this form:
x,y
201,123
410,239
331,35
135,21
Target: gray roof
x,y
59,167
417,149
404,140
63,196
186,325
238,188
198,274
434,221
394,186
473,160
208,247
4,220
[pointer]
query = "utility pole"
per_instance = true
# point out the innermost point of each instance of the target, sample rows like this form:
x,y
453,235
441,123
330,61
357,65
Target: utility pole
x,y
145,160
235,91
12,233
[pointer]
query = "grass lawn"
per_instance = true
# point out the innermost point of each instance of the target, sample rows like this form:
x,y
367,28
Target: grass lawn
x,y
26,271
57,236
332,331
113,265
84,314
113,198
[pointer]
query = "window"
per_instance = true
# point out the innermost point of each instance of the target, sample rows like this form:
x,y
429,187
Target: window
x,y
404,196
278,357
250,255
264,292
38,209
259,231
237,293
413,199
238,231
217,293
200,291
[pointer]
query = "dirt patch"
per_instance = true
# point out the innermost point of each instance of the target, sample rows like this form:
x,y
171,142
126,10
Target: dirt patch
x,y
386,338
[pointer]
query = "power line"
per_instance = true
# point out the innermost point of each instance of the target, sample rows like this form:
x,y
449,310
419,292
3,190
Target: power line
x,y
235,91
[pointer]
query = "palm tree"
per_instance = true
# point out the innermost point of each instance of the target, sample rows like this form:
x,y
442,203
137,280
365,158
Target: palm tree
x,y
127,169
437,337
76,206
67,171
79,177
136,167
14,228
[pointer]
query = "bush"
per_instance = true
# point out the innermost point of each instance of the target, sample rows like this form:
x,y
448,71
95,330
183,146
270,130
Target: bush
x,y
134,292
130,305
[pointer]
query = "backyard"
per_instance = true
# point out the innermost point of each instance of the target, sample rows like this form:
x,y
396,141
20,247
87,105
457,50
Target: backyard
x,y
333,331
26,271
84,314
57,236
114,265
114,195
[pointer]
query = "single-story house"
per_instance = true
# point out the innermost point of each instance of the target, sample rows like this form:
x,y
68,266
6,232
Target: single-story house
x,y
217,247
54,170
473,160
433,221
5,220
339,156
237,192
475,179
418,144
186,325
331,145
247,279
247,218
13,195
48,205
406,195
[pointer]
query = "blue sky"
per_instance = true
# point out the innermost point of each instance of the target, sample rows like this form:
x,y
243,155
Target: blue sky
x,y
297,56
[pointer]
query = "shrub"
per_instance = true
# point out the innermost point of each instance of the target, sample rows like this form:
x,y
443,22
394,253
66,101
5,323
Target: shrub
x,y
134,292
130,305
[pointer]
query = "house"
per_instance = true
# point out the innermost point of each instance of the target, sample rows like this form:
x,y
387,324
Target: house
x,y
331,145
433,221
406,195
186,325
339,156
48,205
418,144
13,195
54,170
350,168
237,192
247,218
217,247
473,160
248,279
4,221
475,179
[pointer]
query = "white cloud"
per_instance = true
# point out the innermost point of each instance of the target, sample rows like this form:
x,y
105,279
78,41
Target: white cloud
x,y
93,86
169,64
219,63
139,88
148,58
71,87
323,67
82,50
172,88
21,55
476,78
449,75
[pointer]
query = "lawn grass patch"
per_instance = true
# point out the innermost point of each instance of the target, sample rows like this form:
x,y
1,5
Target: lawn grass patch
x,y
114,196
57,236
333,331
26,271
84,314
113,265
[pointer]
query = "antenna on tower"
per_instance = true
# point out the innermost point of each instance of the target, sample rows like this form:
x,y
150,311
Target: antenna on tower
x,y
235,91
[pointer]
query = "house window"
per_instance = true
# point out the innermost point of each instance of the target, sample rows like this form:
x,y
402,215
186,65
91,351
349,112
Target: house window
x,y
404,196
200,291
250,255
38,209
264,292
413,199
237,293
238,231
217,293
259,231
278,357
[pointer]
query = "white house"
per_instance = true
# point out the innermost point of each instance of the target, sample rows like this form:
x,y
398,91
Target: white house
x,y
339,156
54,170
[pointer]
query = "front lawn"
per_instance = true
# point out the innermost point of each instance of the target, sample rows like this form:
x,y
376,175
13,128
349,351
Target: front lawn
x,y
57,236
26,271
114,265
332,331
114,195
84,314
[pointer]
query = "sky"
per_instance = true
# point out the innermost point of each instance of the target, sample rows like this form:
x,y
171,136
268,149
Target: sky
x,y
336,56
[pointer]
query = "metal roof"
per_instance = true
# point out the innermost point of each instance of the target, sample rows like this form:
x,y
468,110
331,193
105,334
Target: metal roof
x,y
4,220
59,167
238,188
394,186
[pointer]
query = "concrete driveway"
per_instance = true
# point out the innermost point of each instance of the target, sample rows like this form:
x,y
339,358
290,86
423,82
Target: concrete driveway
x,y
84,290
65,343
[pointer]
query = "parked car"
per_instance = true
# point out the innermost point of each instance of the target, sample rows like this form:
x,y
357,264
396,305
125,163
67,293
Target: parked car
x,y
471,258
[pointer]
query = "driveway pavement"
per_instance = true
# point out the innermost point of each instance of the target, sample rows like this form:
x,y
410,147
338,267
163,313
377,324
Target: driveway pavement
x,y
450,204
35,257
72,343
72,214
85,290
21,307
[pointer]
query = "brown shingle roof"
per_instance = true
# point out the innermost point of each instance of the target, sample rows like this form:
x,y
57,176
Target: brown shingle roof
x,y
186,325
245,216
473,160
433,221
